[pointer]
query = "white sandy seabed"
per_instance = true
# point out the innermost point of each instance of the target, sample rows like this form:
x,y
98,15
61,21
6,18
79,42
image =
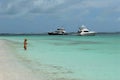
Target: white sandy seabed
x,y
11,68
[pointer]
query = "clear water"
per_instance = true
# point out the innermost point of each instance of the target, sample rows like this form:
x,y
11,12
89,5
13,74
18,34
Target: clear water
x,y
74,57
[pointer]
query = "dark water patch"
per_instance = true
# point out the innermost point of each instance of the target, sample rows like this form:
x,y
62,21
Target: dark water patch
x,y
86,49
57,39
86,42
75,43
53,71
67,79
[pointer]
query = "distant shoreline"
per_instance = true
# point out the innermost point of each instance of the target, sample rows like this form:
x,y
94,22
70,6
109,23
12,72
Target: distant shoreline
x,y
22,34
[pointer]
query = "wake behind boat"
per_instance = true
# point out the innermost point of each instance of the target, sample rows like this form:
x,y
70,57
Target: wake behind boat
x,y
59,31
83,31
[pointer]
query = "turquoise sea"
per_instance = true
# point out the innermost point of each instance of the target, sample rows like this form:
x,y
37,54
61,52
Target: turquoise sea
x,y
70,57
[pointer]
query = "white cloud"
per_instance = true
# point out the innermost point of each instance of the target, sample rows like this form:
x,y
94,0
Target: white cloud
x,y
18,7
22,7
14,7
96,3
46,4
40,6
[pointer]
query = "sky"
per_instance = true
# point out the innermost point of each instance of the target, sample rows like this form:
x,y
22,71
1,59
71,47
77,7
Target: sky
x,y
41,16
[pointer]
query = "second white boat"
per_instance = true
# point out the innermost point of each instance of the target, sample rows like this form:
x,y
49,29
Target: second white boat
x,y
83,31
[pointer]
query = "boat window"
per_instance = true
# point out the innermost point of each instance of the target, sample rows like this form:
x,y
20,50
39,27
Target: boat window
x,y
85,31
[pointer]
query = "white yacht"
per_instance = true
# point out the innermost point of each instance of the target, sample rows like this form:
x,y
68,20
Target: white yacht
x,y
59,31
85,31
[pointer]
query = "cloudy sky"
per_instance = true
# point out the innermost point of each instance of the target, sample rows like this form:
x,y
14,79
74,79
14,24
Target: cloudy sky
x,y
38,16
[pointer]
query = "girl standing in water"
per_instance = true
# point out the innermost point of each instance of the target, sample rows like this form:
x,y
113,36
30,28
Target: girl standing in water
x,y
25,44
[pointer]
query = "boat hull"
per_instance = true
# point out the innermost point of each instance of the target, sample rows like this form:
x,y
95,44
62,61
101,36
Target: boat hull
x,y
50,33
86,34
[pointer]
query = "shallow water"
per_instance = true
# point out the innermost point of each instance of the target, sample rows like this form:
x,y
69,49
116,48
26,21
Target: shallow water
x,y
74,57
